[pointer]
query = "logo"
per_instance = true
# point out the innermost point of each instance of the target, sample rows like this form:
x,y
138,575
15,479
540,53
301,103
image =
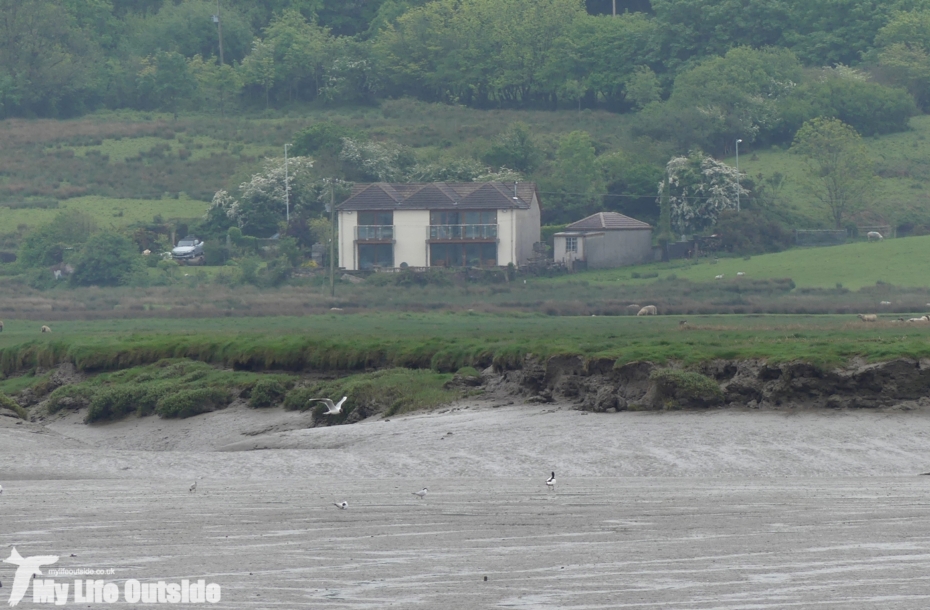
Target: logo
x,y
26,568
47,591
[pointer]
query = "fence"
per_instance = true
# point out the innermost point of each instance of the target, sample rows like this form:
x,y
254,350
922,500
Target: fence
x,y
813,237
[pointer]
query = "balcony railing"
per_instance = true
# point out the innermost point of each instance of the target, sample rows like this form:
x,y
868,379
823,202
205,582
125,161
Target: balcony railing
x,y
374,232
460,232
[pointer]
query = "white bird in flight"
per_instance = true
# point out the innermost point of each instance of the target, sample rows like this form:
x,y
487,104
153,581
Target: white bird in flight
x,y
421,494
333,409
550,482
343,505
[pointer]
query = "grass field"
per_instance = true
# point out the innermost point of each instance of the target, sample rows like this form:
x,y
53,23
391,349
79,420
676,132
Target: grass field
x,y
110,212
900,262
448,341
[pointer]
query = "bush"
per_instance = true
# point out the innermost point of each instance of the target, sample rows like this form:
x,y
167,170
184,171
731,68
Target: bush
x,y
107,259
749,232
10,405
676,389
187,403
267,393
69,397
118,401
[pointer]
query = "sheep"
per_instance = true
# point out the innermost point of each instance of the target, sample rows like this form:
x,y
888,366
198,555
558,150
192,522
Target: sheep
x,y
885,303
648,310
146,252
868,317
874,235
920,319
740,273
633,306
718,277
46,329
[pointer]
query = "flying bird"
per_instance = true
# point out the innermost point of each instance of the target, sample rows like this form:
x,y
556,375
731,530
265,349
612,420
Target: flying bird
x,y
194,486
550,482
333,409
26,569
422,493
343,505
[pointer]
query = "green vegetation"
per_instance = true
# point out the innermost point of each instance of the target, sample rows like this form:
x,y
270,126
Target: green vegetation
x,y
677,388
9,404
443,343
893,262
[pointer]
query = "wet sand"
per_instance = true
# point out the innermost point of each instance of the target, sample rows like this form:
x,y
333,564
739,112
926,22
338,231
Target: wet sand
x,y
718,510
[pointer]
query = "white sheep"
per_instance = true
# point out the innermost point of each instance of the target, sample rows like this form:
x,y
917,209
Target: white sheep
x,y
740,273
874,235
868,317
718,277
648,310
146,252
885,303
632,306
920,319
46,329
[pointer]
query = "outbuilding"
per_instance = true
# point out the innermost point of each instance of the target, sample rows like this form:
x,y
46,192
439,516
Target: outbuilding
x,y
602,241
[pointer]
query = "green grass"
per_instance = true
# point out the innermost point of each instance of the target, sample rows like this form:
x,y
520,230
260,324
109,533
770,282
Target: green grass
x,y
444,343
854,265
903,189
109,212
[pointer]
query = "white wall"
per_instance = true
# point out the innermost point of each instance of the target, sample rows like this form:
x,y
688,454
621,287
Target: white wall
x,y
411,230
559,254
528,232
347,254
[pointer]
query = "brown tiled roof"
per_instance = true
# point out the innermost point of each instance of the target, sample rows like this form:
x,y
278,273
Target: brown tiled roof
x,y
607,220
440,195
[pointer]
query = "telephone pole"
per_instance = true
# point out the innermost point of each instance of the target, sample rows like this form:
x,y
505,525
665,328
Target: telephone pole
x,y
332,239
219,28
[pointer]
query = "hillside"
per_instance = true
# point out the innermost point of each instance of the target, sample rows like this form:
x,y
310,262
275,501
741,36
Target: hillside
x,y
899,262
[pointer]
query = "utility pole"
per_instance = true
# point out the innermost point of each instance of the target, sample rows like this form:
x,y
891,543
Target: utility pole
x,y
737,174
332,239
615,8
287,190
219,28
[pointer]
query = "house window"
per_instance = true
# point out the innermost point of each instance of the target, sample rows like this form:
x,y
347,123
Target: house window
x,y
382,219
463,255
571,244
375,255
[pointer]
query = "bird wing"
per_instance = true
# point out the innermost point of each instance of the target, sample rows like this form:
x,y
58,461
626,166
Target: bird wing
x,y
325,401
339,404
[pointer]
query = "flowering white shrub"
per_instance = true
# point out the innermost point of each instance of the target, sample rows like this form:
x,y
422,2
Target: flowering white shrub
x,y
700,187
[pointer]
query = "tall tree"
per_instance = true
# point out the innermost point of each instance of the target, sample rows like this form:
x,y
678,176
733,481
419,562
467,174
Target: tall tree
x,y
840,173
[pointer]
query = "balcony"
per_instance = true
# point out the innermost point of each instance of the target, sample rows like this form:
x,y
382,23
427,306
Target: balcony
x,y
462,232
374,233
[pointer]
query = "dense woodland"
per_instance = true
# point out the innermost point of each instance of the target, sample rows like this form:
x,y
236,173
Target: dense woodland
x,y
688,78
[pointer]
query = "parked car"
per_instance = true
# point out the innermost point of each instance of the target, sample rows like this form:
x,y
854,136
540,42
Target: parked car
x,y
189,251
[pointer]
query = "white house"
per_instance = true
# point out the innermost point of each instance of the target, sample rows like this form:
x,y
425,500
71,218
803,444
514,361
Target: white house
x,y
438,224
602,241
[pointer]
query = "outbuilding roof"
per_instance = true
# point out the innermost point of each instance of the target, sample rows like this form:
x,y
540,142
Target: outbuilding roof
x,y
607,221
440,195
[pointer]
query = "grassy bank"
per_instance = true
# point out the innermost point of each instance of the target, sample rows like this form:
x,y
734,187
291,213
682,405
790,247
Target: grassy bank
x,y
448,341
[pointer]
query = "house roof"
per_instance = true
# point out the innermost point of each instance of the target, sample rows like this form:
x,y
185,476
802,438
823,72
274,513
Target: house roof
x,y
440,195
609,221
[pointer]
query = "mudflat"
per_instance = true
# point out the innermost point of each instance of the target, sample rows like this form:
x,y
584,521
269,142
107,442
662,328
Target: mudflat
x,y
724,509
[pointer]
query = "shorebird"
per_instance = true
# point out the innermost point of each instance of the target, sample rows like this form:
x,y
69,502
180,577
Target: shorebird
x,y
193,486
550,482
343,505
421,494
333,409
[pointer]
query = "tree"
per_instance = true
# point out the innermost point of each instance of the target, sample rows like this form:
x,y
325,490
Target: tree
x,y
165,81
187,28
699,188
107,259
47,244
574,183
216,83
642,87
840,173
258,68
516,148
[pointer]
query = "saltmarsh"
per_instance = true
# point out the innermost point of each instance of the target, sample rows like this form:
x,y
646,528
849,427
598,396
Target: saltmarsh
x,y
446,342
